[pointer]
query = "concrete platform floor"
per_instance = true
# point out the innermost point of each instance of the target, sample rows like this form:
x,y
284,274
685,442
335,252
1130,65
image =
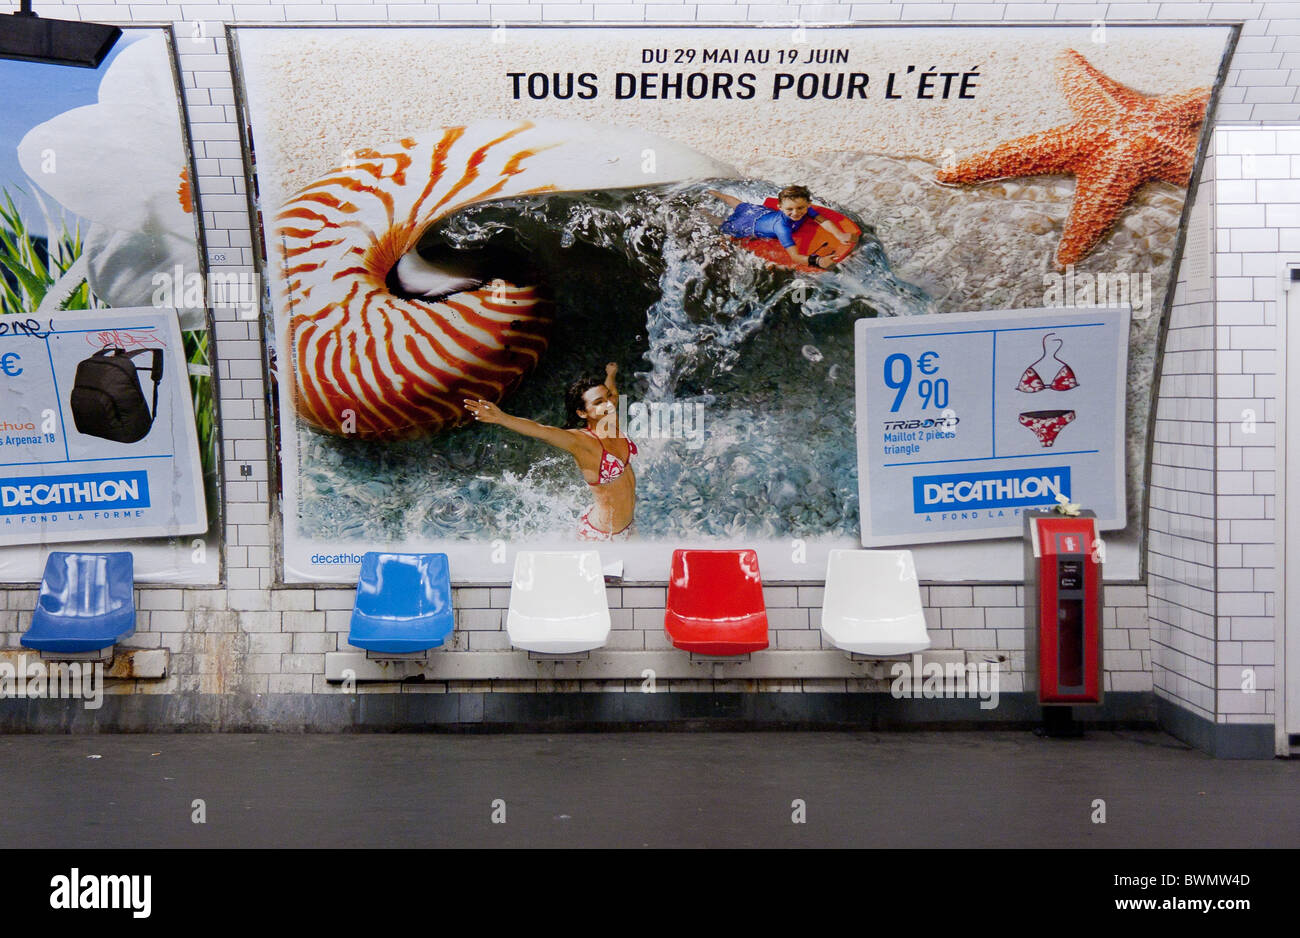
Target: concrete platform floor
x,y
967,789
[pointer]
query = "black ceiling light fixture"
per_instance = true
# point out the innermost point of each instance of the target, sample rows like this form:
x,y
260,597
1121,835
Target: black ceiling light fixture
x,y
28,38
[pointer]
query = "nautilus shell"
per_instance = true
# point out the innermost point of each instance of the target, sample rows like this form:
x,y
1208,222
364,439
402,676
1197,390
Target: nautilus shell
x,y
369,361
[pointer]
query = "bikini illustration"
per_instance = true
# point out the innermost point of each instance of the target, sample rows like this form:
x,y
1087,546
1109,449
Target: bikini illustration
x,y
1062,380
1046,425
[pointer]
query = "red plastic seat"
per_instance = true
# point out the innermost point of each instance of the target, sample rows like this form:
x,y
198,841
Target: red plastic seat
x,y
715,603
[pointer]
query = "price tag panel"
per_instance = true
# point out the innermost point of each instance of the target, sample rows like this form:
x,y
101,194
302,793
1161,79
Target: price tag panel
x,y
965,420
96,441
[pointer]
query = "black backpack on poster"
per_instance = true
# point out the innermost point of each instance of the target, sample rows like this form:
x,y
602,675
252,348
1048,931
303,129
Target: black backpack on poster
x,y
107,400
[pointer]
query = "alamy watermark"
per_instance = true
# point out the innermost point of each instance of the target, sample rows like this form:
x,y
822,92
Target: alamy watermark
x,y
232,289
57,680
931,680
78,890
1103,288
661,421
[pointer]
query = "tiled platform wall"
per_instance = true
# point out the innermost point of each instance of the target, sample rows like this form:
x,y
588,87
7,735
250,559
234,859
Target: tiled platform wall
x,y
1181,563
221,644
248,638
1213,518
1257,232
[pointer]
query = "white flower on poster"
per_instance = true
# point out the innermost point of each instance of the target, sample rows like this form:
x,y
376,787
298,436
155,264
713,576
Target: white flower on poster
x,y
121,164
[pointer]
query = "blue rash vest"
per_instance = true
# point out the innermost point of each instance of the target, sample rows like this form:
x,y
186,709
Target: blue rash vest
x,y
748,220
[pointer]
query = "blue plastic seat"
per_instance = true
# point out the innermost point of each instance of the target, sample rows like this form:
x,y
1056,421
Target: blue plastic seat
x,y
86,603
403,603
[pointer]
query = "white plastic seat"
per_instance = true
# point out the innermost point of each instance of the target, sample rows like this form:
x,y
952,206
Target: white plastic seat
x,y
872,604
557,602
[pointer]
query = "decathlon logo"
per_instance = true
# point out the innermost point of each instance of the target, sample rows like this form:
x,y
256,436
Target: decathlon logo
x,y
77,891
115,489
1006,489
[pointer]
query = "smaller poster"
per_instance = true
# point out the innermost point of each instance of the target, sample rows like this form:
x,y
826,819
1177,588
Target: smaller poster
x,y
97,437
965,420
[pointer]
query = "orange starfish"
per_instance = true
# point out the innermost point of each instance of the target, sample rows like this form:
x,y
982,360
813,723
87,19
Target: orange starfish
x,y
1120,139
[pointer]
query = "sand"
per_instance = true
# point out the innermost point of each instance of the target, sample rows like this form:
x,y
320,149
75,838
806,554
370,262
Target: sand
x,y
332,89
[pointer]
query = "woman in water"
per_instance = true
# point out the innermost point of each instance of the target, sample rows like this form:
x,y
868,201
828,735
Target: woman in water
x,y
603,454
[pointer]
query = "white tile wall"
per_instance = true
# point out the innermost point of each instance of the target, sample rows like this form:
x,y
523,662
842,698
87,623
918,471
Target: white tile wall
x,y
1259,242
1211,583
1212,480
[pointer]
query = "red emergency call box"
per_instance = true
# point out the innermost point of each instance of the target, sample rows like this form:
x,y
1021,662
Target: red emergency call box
x,y
1063,566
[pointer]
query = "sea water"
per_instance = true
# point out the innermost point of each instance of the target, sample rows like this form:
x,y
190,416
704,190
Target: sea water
x,y
643,278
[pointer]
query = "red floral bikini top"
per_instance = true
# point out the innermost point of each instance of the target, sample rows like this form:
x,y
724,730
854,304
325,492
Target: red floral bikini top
x,y
1031,382
611,467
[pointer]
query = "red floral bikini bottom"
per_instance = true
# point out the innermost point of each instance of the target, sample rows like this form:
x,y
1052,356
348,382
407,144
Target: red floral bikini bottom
x,y
1046,424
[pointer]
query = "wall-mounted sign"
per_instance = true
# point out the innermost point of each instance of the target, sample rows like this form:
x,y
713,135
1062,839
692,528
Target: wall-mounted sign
x,y
966,420
97,438
450,252
93,219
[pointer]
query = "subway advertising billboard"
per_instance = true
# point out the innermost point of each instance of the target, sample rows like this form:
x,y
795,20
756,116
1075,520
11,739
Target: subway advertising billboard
x,y
108,421
615,287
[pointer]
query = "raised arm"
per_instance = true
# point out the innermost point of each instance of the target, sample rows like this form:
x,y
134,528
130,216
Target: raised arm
x,y
487,412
